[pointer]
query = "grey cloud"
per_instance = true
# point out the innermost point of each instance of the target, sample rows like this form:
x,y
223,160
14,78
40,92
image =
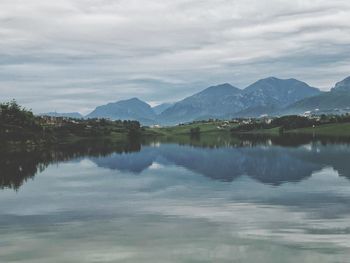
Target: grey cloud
x,y
72,55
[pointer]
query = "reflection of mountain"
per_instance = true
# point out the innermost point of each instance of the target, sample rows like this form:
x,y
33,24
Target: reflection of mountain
x,y
133,162
266,160
336,156
267,164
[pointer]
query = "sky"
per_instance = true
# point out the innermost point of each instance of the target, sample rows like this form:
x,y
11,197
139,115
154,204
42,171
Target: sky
x,y
73,55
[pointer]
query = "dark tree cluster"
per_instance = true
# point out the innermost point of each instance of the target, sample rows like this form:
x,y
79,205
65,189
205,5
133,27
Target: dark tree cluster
x,y
290,122
293,122
19,124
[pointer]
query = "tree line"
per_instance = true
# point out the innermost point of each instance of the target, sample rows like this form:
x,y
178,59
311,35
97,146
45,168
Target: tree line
x,y
291,122
20,124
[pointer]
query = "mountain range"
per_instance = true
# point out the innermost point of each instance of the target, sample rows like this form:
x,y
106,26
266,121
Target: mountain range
x,y
131,109
335,101
226,101
270,96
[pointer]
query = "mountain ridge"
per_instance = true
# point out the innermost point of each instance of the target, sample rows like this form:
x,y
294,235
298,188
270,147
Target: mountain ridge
x,y
269,96
129,109
335,101
257,99
343,85
162,107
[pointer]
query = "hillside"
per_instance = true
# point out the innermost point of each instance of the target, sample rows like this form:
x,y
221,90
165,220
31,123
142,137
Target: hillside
x,y
336,101
132,109
212,102
161,107
277,92
265,96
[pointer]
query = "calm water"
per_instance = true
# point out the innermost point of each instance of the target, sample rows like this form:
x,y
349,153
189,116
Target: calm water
x,y
232,201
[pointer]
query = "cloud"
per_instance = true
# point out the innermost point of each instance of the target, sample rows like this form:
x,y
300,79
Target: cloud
x,y
73,55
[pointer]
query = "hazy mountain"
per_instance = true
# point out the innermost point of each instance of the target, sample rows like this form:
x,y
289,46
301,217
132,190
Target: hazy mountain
x,y
215,101
162,107
343,85
328,102
335,101
270,96
258,111
132,109
278,92
75,115
225,101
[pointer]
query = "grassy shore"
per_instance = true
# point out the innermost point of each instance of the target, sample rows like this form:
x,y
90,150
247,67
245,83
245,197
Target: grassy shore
x,y
185,129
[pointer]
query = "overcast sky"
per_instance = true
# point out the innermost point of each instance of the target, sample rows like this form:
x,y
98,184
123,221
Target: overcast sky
x,y
72,55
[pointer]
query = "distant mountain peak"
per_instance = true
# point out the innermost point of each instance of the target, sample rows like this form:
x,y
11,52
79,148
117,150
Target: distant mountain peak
x,y
270,78
132,100
135,99
337,101
129,109
226,101
275,79
219,89
223,86
343,85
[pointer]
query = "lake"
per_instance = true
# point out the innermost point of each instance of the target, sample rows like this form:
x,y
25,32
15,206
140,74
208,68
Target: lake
x,y
218,200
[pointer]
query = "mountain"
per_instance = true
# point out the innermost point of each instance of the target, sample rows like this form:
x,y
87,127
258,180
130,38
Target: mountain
x,y
162,107
328,102
336,101
277,92
213,102
343,85
75,115
258,111
131,109
271,96
266,96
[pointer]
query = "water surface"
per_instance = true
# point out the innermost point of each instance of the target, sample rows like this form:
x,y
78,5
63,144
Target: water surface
x,y
242,200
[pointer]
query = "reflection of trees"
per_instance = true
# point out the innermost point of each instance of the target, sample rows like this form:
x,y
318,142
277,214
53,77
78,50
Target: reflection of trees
x,y
16,167
233,157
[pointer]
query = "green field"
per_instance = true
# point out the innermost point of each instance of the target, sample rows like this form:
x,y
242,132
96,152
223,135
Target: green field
x,y
205,127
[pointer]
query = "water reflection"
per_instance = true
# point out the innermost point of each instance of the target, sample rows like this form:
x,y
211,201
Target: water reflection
x,y
269,160
213,200
267,164
17,166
